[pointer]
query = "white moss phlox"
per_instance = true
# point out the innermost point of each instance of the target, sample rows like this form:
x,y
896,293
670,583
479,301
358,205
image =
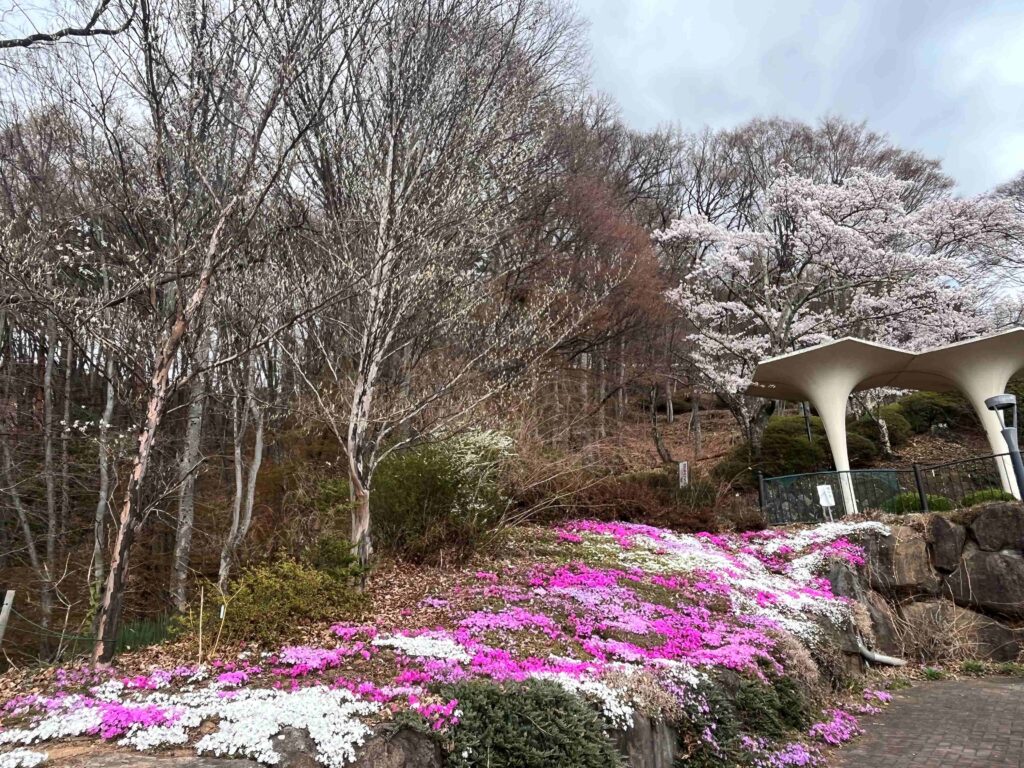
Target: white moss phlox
x,y
22,758
425,646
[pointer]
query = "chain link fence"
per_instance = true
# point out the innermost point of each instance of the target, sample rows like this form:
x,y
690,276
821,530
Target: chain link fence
x,y
798,498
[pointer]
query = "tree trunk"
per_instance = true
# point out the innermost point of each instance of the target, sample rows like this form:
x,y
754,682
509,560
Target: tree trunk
x,y
659,443
807,422
695,423
50,480
20,512
620,402
65,437
187,469
99,548
99,545
883,434
130,518
245,489
360,455
756,423
362,544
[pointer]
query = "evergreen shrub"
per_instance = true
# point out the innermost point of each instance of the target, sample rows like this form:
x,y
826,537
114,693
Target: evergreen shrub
x,y
986,494
269,603
909,502
533,724
439,500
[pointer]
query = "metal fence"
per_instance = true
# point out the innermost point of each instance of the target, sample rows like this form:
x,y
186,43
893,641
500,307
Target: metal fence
x,y
797,498
956,480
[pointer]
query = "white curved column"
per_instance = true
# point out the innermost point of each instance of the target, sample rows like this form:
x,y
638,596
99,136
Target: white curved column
x,y
829,394
987,379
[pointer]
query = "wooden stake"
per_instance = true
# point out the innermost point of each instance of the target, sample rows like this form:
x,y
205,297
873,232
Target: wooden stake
x,y
200,625
5,613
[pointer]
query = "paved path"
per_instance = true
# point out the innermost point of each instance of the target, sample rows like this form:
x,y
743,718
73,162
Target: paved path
x,y
944,724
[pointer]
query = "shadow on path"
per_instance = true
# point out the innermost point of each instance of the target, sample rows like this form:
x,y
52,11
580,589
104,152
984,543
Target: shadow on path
x,y
975,723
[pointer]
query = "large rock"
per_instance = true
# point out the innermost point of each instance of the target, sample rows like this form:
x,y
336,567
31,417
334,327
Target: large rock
x,y
991,581
649,743
945,541
999,526
132,759
937,629
403,749
295,749
898,564
883,624
847,581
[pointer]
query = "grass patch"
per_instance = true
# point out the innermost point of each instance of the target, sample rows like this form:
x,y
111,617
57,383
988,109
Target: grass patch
x,y
973,668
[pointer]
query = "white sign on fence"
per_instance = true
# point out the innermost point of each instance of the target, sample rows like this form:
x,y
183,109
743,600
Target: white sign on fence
x,y
827,499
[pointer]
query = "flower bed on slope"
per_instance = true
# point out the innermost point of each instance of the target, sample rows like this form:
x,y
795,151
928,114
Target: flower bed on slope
x,y
628,617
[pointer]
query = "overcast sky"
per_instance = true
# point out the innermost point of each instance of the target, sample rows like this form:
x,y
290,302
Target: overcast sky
x,y
945,77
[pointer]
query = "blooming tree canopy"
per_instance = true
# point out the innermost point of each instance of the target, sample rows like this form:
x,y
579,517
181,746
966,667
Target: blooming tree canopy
x,y
825,261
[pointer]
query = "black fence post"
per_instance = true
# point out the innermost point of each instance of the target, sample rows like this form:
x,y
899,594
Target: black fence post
x,y
760,491
919,482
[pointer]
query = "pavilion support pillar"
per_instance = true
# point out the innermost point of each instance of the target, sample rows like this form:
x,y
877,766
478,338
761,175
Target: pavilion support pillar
x,y
986,379
828,390
830,403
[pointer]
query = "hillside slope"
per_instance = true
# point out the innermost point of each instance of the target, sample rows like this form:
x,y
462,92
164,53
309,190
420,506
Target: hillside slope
x,y
733,638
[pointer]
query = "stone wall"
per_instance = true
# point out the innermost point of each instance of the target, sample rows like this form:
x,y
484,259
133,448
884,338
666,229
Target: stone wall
x,y
648,744
945,586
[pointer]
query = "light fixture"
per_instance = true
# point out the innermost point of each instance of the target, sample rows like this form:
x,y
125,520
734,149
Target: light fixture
x,y
1005,407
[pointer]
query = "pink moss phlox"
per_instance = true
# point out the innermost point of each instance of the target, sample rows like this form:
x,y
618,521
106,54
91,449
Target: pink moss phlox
x,y
233,679
300,660
706,601
511,620
839,728
117,718
569,536
439,716
765,755
351,631
842,549
872,694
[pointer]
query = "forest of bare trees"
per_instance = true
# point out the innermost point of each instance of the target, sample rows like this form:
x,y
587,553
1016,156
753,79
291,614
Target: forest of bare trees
x,y
246,244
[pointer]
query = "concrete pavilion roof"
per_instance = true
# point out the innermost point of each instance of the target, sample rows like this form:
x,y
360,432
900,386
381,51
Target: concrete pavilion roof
x,y
793,375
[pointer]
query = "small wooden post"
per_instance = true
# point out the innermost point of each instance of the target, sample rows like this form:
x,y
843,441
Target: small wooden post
x,y
5,613
201,596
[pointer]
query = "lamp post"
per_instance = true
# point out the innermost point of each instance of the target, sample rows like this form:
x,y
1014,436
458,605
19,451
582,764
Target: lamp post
x,y
1005,407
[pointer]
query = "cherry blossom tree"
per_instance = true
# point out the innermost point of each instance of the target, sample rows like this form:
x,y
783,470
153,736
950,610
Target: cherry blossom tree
x,y
826,260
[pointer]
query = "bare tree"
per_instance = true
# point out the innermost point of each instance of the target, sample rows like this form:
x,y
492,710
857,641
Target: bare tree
x,y
106,18
422,175
191,104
